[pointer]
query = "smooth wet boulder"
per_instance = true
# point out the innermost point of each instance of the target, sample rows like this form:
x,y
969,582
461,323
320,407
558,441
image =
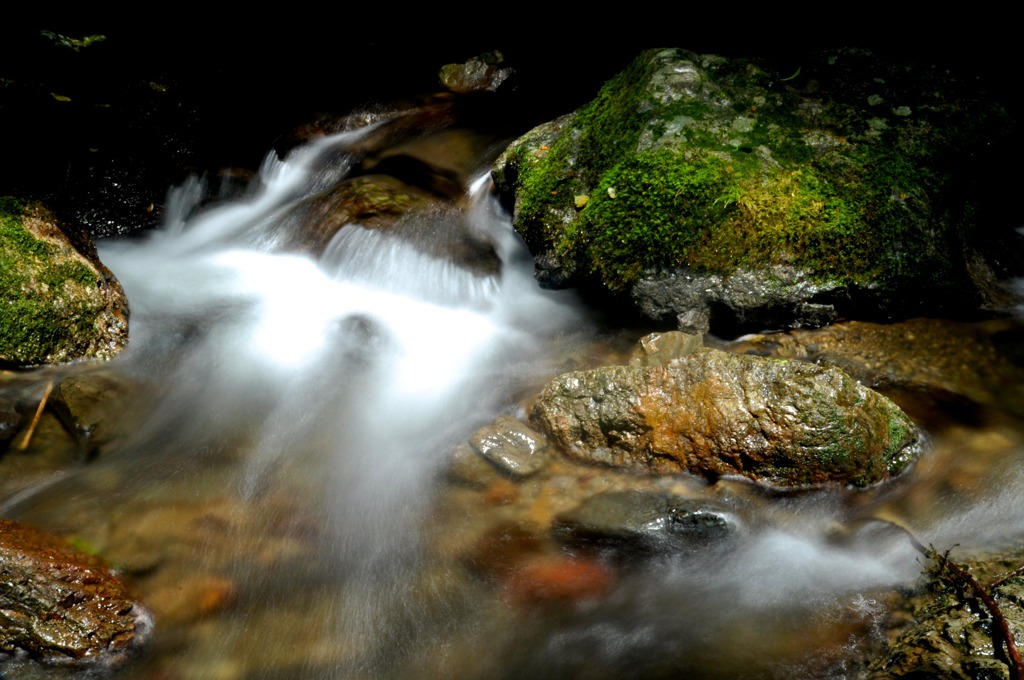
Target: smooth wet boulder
x,y
744,192
61,605
713,413
56,304
372,201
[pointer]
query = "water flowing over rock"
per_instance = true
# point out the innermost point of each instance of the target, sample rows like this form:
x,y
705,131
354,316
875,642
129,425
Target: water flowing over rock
x,y
83,403
713,413
61,605
58,305
645,522
725,192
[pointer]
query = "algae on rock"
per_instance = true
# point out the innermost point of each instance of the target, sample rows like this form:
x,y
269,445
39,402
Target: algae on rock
x,y
713,413
696,167
56,304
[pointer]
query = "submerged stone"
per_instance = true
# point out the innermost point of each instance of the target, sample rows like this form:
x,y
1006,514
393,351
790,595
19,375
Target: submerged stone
x,y
84,403
645,522
712,413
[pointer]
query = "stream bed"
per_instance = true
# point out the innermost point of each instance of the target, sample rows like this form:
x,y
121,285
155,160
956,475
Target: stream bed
x,y
282,475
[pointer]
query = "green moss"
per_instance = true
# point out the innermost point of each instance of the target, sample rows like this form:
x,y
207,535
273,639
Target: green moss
x,y
771,176
601,132
42,306
650,211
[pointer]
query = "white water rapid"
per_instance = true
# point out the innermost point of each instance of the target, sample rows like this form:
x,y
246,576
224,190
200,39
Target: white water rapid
x,y
376,357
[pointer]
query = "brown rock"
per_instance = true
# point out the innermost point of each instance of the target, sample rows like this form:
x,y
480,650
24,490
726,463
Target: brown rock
x,y
713,413
511,446
59,604
479,74
84,403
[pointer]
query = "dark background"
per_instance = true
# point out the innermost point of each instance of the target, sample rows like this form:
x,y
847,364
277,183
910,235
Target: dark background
x,y
194,89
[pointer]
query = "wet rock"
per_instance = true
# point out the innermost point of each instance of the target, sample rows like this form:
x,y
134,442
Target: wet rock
x,y
10,420
56,303
479,74
372,201
466,466
726,194
713,413
61,605
645,522
658,349
512,446
558,579
83,403
975,360
950,634
192,597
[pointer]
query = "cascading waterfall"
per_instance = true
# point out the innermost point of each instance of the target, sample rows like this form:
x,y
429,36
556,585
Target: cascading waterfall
x,y
379,351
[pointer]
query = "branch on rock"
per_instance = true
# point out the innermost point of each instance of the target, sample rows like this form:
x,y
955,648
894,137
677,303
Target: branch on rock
x,y
960,577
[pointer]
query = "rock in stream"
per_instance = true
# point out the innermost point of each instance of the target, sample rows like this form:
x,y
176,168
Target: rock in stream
x,y
713,413
60,605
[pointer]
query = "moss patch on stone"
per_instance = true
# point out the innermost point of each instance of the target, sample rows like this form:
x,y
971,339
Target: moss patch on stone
x,y
690,161
48,304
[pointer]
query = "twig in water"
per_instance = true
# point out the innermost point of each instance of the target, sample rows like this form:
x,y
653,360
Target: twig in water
x,y
35,419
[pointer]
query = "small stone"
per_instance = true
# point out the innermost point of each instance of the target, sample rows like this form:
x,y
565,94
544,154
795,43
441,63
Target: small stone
x,y
512,446
660,348
557,578
83,402
479,74
466,466
645,522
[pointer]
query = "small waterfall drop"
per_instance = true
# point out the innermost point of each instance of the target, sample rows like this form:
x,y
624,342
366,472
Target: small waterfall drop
x,y
369,362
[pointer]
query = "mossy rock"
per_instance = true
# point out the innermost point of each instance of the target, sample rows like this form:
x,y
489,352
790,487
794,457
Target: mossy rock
x,y
713,413
847,181
56,304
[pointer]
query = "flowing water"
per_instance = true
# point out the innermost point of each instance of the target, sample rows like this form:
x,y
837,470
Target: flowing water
x,y
275,486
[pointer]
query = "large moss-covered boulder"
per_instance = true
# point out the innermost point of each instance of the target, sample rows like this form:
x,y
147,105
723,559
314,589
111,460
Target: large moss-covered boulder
x,y
56,303
714,413
700,185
